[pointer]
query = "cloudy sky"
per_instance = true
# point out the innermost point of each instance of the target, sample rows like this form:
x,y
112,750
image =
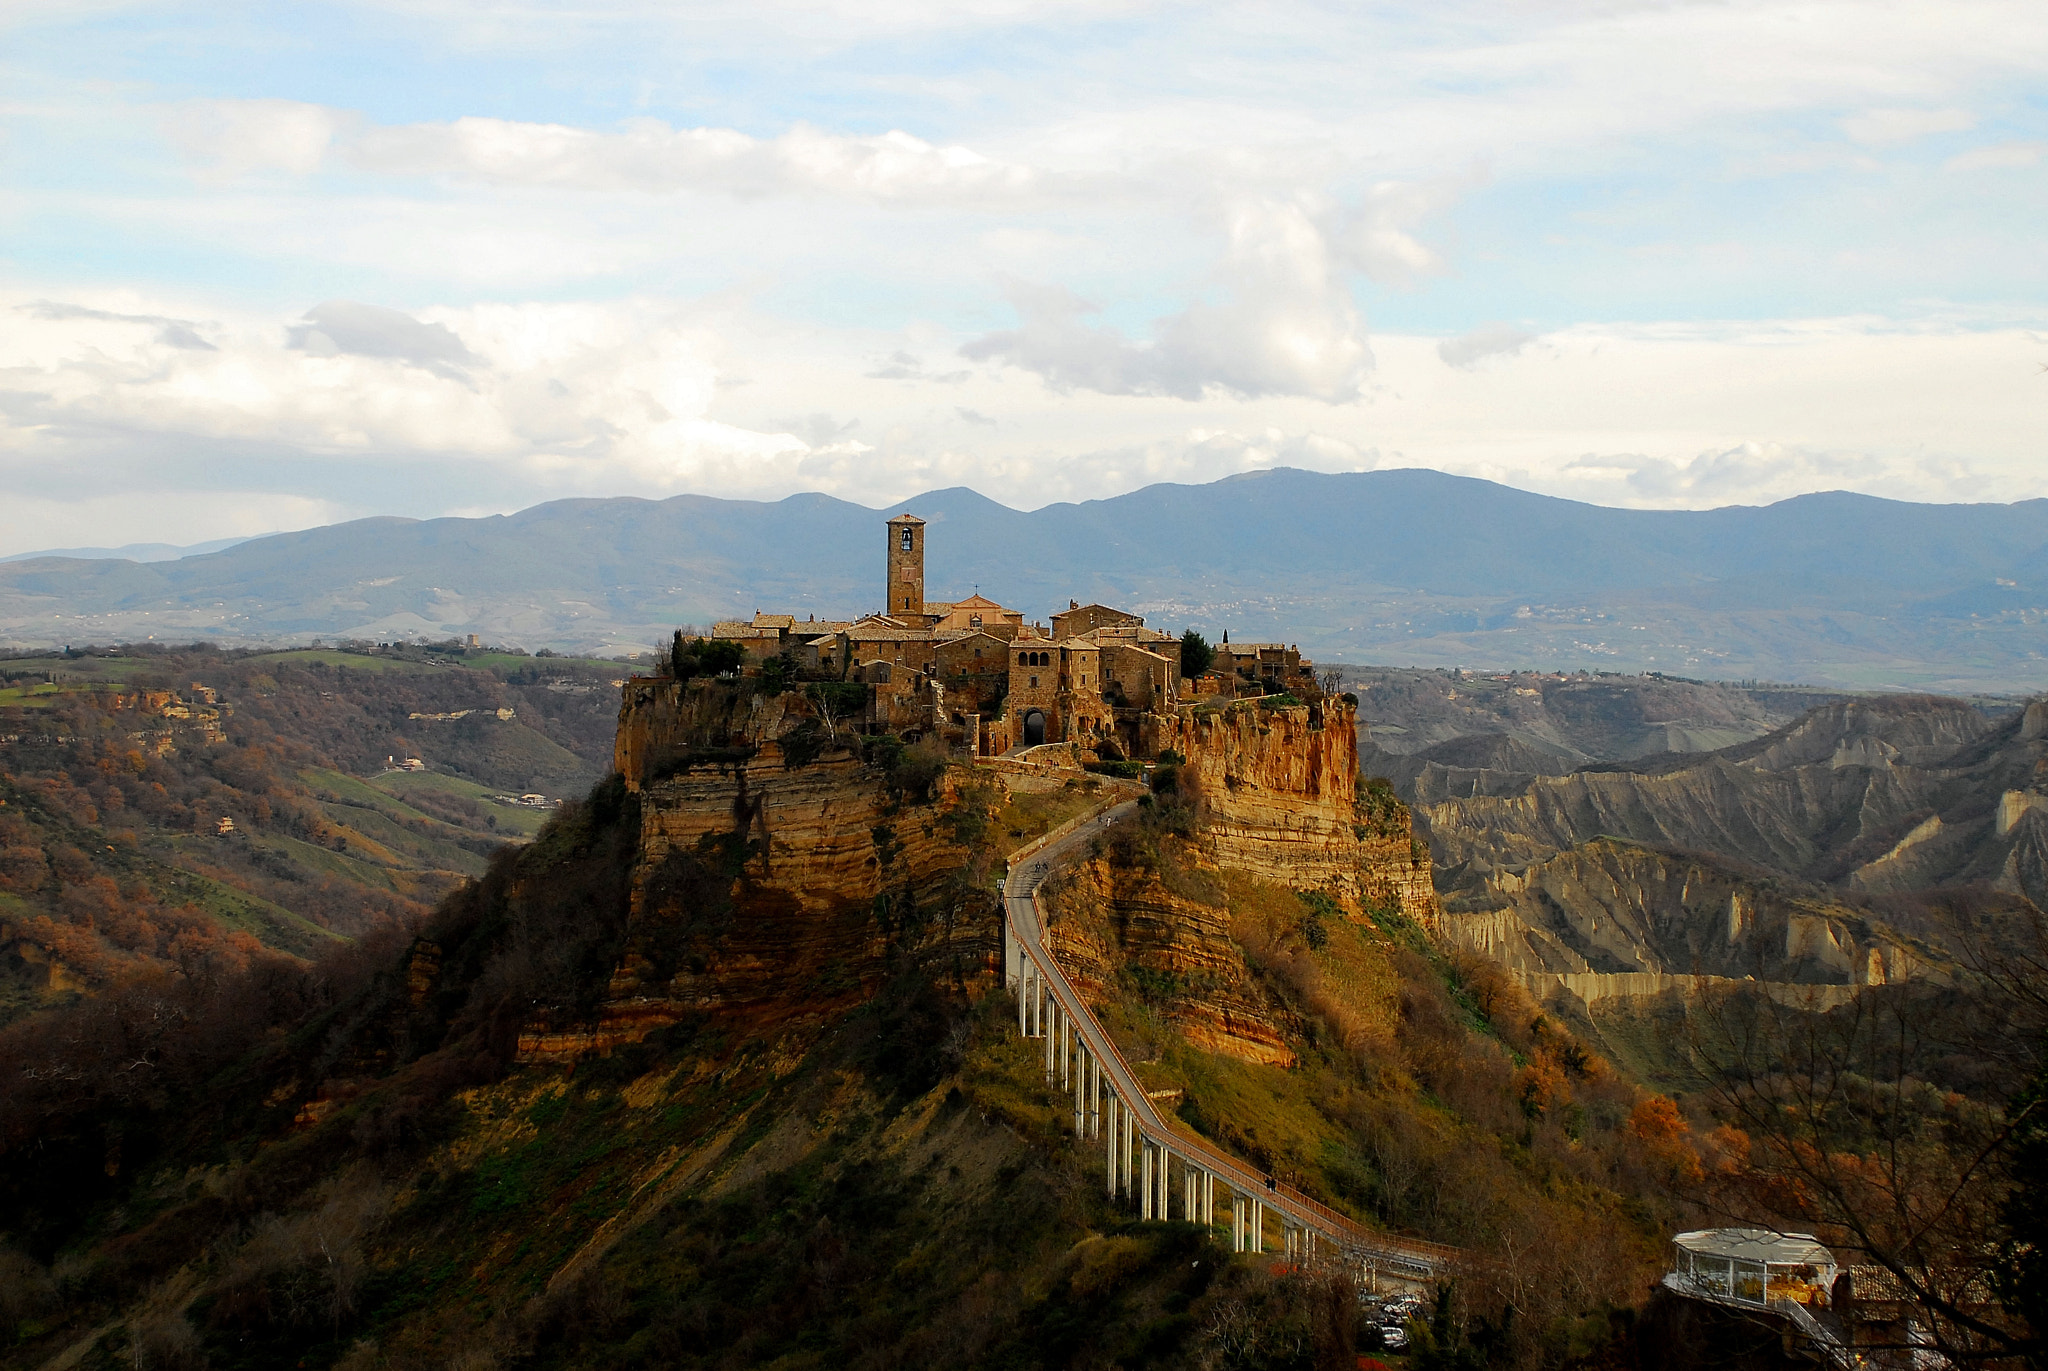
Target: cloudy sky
x,y
269,265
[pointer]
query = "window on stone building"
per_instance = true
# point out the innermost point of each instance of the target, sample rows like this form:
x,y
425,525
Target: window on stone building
x,y
906,540
1034,683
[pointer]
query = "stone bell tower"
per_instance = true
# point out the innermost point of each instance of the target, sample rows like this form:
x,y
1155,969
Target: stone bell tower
x,y
906,566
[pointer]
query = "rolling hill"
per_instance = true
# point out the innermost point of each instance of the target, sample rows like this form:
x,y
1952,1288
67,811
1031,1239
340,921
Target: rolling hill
x,y
1405,567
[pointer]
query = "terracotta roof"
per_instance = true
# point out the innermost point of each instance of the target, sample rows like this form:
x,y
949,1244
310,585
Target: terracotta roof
x,y
906,519
774,620
980,601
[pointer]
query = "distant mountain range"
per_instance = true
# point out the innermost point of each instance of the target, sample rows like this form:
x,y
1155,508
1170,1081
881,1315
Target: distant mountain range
x,y
1400,567
134,552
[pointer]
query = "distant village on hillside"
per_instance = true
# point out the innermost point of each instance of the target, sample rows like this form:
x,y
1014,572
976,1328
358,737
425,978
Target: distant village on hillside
x,y
975,675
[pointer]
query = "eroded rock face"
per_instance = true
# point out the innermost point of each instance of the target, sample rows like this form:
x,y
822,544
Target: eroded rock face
x,y
1279,800
1883,796
1111,925
778,875
1615,909
665,724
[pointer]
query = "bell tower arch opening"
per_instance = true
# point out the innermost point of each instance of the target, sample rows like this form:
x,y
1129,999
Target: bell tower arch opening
x,y
904,589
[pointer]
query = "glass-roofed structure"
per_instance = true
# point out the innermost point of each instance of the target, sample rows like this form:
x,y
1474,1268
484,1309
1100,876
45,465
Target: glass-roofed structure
x,y
1754,1266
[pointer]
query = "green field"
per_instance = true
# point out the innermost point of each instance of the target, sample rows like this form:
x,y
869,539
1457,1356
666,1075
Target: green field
x,y
30,697
354,661
511,818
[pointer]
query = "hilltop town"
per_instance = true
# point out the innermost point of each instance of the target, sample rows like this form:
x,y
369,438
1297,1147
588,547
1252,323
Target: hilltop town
x,y
974,675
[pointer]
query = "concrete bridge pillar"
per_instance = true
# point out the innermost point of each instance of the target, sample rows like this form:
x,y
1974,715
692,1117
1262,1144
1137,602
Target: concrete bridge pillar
x,y
1066,1052
1258,1233
1052,1037
1209,1198
1022,986
1240,1223
1144,1180
1109,1156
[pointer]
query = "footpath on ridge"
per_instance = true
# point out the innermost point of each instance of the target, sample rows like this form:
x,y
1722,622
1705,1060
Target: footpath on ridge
x,y
1401,1258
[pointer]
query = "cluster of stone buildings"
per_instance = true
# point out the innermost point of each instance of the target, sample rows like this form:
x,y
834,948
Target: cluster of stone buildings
x,y
975,674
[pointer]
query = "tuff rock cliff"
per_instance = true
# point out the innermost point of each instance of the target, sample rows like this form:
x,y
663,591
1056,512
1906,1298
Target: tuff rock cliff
x,y
781,866
1884,794
1123,925
1750,861
1270,796
1607,908
1279,797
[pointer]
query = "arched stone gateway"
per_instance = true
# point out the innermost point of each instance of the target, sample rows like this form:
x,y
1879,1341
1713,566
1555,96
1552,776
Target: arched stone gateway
x,y
1034,728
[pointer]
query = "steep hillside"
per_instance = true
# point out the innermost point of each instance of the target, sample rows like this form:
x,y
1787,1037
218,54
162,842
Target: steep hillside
x,y
1547,723
1872,794
158,807
1620,910
717,1072
1408,566
1865,843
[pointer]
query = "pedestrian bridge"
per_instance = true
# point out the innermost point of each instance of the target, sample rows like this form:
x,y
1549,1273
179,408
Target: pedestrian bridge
x,y
1167,1173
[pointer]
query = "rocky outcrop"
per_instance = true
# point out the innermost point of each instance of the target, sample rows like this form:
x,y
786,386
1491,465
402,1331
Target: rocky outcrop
x,y
1916,730
1119,929
1888,795
1611,908
1279,797
779,875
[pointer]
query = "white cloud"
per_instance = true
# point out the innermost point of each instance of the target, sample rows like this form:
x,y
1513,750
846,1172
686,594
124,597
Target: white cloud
x,y
238,137
359,330
1488,340
571,392
230,138
1284,324
1755,473
538,400
1890,127
1999,156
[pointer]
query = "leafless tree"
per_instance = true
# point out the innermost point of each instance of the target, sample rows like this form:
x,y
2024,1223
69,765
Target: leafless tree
x,y
1887,1124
